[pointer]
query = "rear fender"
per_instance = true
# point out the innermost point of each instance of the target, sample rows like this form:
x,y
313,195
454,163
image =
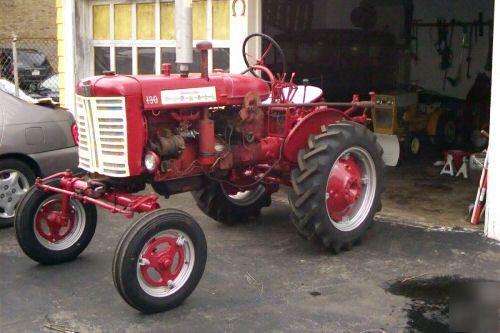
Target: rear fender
x,y
310,124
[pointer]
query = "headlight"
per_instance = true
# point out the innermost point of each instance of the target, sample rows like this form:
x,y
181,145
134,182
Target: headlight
x,y
151,161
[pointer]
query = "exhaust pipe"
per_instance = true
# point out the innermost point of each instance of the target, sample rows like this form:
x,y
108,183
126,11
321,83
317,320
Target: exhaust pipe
x,y
184,35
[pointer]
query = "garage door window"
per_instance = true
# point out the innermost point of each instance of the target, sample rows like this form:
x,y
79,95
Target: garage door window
x,y
136,37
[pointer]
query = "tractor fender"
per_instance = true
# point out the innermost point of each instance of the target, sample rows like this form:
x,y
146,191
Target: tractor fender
x,y
309,125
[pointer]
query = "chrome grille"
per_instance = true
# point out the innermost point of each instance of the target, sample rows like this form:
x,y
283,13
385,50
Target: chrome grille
x,y
102,131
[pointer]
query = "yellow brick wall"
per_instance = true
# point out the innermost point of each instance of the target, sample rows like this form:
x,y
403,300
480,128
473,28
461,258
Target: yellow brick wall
x,y
28,18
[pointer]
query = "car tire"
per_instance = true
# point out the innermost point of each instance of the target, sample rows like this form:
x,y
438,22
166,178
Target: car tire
x,y
12,189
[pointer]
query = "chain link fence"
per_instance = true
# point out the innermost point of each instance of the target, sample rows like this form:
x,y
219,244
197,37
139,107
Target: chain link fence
x,y
31,65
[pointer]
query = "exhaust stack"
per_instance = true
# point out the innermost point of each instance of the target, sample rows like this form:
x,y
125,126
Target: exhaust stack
x,y
184,35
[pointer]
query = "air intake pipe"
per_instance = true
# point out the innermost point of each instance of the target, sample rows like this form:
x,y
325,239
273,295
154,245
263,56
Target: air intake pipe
x,y
184,35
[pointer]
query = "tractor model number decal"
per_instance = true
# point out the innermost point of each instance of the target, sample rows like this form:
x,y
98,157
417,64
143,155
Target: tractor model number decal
x,y
151,99
188,96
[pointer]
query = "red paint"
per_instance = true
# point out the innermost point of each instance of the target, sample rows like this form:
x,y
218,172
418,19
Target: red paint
x,y
77,188
343,188
458,157
266,138
309,125
166,257
74,132
51,223
204,47
207,139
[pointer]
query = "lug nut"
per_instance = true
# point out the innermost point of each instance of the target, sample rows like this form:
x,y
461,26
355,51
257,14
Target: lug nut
x,y
180,241
143,262
13,190
2,196
6,187
9,199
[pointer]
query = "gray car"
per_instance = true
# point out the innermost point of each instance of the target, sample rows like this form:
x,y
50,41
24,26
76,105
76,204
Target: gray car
x,y
35,141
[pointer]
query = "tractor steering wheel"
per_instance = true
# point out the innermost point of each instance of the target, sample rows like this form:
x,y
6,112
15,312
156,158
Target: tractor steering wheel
x,y
259,62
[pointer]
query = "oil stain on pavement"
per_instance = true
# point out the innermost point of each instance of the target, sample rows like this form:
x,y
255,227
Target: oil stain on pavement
x,y
449,303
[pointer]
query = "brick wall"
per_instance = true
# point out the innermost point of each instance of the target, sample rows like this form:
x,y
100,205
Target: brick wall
x,y
28,18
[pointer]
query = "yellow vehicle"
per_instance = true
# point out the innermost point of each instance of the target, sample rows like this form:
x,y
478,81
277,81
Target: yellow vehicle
x,y
415,117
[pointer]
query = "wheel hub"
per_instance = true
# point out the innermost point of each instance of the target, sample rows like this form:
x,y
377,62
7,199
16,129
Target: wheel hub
x,y
50,222
162,261
13,186
344,188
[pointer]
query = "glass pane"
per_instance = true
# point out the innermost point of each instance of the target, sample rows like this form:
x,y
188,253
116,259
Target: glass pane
x,y
123,60
146,21
146,60
101,60
195,66
221,59
200,20
123,22
100,22
220,19
167,20
168,56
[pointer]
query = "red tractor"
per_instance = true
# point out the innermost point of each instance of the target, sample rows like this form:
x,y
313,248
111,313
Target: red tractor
x,y
229,139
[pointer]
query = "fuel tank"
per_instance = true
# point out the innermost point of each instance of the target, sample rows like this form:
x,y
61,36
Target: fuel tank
x,y
172,92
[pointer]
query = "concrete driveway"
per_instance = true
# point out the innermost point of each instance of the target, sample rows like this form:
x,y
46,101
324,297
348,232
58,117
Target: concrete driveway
x,y
260,277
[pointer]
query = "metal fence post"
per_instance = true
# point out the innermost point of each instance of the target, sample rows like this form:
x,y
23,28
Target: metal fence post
x,y
14,65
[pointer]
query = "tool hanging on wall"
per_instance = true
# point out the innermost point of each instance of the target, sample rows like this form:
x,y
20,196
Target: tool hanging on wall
x,y
471,32
454,81
469,49
443,46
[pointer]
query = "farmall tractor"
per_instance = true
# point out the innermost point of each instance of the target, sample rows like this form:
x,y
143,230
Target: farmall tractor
x,y
229,139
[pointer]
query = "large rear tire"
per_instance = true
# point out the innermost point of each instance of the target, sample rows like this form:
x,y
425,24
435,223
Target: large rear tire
x,y
231,209
159,260
337,186
42,238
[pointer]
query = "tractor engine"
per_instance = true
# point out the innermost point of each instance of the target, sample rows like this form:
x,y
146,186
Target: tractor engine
x,y
160,128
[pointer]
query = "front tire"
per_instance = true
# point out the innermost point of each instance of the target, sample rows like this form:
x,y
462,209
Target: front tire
x,y
337,186
231,209
41,238
159,260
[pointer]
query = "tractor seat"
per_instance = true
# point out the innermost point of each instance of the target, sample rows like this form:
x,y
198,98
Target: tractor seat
x,y
312,94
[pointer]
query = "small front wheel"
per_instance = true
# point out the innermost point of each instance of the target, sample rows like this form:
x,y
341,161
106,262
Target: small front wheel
x,y
47,238
160,260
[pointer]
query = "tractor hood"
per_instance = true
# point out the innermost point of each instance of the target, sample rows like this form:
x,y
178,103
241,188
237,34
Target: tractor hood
x,y
169,92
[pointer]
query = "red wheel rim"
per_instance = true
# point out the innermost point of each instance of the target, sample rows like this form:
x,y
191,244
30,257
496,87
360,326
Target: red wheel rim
x,y
50,224
344,188
162,261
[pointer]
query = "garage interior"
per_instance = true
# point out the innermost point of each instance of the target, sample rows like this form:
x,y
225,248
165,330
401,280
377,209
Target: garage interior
x,y
429,62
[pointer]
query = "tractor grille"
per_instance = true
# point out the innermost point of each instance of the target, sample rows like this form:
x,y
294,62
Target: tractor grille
x,y
102,131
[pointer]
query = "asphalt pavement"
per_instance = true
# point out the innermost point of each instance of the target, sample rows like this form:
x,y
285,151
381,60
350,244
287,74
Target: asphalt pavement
x,y
260,277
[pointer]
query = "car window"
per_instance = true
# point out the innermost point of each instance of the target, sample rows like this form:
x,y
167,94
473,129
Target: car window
x,y
30,58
